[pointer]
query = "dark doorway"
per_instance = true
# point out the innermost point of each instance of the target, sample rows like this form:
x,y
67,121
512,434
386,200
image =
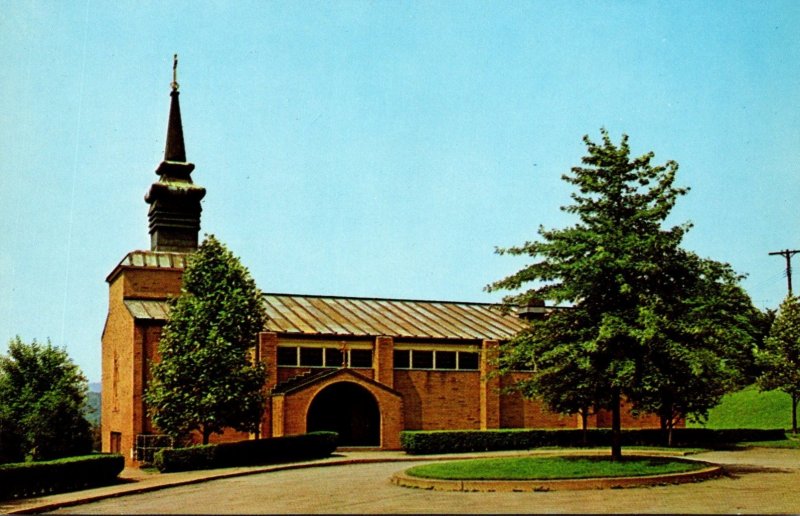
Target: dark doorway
x,y
348,409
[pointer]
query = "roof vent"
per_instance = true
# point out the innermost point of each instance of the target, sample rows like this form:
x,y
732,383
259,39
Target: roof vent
x,y
533,309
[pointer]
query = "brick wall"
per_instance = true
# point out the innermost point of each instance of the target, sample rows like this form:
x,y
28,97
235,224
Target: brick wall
x,y
438,400
517,412
128,347
151,283
117,374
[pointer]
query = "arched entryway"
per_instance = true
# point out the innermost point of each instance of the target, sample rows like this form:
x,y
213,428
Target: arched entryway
x,y
348,409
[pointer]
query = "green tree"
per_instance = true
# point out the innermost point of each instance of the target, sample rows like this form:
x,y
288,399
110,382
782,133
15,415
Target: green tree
x,y
556,366
623,276
206,379
698,342
780,357
42,400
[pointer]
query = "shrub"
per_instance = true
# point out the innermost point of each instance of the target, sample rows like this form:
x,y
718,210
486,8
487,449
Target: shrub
x,y
247,453
25,479
455,441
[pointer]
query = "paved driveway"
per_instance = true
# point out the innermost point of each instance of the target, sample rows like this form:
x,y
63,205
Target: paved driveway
x,y
762,481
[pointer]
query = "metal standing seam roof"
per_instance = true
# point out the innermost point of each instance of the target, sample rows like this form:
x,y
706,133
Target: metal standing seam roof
x,y
301,315
362,317
146,309
150,259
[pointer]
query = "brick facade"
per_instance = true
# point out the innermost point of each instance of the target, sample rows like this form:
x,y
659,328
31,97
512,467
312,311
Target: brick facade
x,y
406,398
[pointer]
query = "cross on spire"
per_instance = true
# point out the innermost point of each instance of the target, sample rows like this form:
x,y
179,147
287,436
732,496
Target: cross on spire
x,y
174,83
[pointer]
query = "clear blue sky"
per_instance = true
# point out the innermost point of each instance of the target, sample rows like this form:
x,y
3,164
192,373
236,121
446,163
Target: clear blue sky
x,y
378,148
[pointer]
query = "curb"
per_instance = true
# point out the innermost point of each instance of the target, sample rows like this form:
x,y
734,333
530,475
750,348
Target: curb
x,y
508,486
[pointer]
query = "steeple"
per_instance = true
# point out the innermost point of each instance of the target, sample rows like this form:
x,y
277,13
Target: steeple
x,y
175,150
174,200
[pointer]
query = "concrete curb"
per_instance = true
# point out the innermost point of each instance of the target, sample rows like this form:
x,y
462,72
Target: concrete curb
x,y
509,486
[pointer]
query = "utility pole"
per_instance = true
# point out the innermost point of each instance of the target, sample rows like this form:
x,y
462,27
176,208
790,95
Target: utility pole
x,y
787,253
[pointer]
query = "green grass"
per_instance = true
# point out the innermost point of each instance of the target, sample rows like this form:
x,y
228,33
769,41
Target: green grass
x,y
792,442
750,408
544,468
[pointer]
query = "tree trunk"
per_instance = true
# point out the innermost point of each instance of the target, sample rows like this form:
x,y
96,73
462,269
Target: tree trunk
x,y
206,434
670,426
794,414
616,426
585,426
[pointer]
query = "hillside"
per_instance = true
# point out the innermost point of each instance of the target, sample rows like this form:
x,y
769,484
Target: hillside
x,y
93,407
750,408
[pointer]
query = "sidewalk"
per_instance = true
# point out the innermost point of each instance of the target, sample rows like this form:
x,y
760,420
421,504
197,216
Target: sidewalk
x,y
134,481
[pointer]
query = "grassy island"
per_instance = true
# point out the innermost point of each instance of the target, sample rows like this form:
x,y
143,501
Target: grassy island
x,y
551,468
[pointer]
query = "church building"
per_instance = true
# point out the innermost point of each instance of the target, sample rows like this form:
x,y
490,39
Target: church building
x,y
366,368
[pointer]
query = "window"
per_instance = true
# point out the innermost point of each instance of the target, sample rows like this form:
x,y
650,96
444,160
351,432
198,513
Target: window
x,y
437,359
445,360
333,357
360,358
421,359
311,357
323,357
402,359
468,361
287,357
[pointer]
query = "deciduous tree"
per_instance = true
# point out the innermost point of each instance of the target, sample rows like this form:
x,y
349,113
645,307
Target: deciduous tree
x,y
623,276
206,379
780,357
42,401
698,340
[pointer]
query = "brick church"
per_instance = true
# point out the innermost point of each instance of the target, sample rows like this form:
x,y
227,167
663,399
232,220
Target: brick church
x,y
364,367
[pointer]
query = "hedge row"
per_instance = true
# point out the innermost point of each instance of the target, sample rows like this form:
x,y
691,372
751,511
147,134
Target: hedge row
x,y
25,479
247,453
446,441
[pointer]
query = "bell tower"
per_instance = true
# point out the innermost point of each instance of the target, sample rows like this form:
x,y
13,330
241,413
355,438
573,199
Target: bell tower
x,y
174,199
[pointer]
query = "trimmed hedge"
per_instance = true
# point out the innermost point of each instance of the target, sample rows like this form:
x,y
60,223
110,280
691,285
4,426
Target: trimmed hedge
x,y
25,479
247,453
455,441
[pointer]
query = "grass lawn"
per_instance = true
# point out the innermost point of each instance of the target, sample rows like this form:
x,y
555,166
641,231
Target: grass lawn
x,y
750,408
791,442
542,468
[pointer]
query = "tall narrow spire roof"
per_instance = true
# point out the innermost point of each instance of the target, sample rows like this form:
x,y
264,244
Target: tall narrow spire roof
x,y
174,199
175,149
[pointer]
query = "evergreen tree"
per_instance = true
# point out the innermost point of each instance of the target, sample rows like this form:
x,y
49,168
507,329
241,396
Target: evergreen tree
x,y
206,379
624,277
42,402
780,356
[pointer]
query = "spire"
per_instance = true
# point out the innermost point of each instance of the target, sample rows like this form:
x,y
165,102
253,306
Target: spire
x,y
175,149
174,199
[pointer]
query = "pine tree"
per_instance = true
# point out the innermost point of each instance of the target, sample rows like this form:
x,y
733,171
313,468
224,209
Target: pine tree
x,y
623,276
206,379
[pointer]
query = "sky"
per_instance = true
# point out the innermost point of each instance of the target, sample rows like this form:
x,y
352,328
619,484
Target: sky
x,y
378,148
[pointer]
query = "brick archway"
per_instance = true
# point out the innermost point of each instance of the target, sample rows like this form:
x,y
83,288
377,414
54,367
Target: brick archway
x,y
348,409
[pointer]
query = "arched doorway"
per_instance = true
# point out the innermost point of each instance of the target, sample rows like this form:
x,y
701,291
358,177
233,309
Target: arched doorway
x,y
348,409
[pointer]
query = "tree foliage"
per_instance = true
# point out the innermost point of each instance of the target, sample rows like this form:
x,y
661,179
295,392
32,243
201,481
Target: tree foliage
x,y
779,358
644,315
206,379
42,402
